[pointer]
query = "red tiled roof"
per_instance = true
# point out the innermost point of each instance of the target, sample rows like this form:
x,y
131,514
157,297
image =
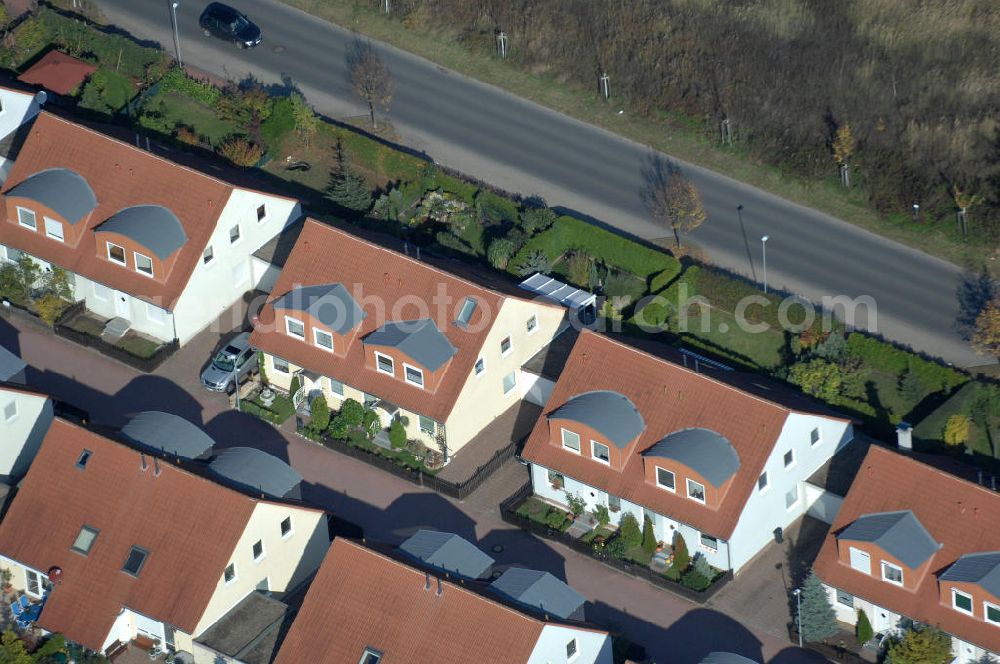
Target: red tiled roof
x,y
669,398
961,515
189,525
58,72
121,176
361,599
381,281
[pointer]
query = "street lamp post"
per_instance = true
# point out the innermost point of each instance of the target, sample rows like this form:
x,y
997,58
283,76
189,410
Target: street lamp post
x,y
798,612
763,246
236,381
177,38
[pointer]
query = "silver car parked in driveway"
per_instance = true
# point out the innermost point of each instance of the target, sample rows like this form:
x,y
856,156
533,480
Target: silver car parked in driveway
x,y
236,360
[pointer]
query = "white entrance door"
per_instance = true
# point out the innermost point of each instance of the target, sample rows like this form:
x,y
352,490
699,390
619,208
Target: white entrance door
x,y
123,307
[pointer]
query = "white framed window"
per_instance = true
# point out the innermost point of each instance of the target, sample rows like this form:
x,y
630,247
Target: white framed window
x,y
102,293
413,375
571,440
27,218
991,613
762,482
532,325
696,490
116,254
155,315
258,551
479,367
286,527
385,364
789,458
427,425
143,264
571,650
54,229
600,452
509,382
261,213
709,542
323,339
234,234
814,437
10,410
295,328
34,582
845,598
208,256
229,574
336,388
280,365
961,601
792,497
665,479
506,346
12,255
860,560
892,573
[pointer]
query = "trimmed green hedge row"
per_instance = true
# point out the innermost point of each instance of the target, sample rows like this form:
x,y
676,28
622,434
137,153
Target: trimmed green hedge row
x,y
890,359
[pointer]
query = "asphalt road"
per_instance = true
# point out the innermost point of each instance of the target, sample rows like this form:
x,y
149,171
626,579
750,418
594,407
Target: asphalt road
x,y
522,147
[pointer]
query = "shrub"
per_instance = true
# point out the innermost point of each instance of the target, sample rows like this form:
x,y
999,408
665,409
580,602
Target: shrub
x,y
320,414
616,547
241,151
833,348
816,615
536,261
653,315
494,209
911,388
177,80
695,580
661,280
576,504
370,423
397,435
681,556
602,515
304,117
339,427
499,252
346,187
352,412
818,378
927,645
106,91
260,367
956,430
555,519
50,307
280,123
294,386
187,136
578,268
863,628
628,530
648,538
536,220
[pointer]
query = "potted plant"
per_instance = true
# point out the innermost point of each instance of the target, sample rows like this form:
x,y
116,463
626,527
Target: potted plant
x,y
5,577
659,546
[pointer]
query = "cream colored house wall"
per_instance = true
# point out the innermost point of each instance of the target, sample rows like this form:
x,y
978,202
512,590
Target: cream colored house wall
x,y
482,399
21,436
286,562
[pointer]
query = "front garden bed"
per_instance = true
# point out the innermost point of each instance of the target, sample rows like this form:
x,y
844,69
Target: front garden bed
x,y
275,410
533,515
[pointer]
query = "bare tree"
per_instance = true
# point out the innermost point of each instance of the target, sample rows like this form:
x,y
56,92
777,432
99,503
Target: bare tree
x,y
671,198
370,78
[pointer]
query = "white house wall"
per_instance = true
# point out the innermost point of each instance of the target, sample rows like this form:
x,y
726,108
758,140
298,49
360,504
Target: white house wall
x,y
142,315
264,275
214,287
536,389
591,647
765,510
18,108
820,503
21,437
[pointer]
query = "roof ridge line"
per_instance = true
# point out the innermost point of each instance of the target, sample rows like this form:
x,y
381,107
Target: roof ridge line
x,y
934,469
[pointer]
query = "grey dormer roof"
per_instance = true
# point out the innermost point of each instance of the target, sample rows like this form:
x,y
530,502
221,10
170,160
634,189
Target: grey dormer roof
x,y
982,569
448,552
540,590
900,534
726,658
65,192
256,471
153,226
420,339
611,413
10,364
167,433
330,304
704,451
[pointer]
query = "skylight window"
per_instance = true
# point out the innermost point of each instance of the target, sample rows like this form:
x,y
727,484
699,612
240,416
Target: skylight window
x,y
85,540
84,457
370,656
465,313
135,560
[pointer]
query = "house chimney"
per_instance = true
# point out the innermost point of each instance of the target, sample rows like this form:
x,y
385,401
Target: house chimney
x,y
904,436
427,581
156,467
142,462
440,590
993,482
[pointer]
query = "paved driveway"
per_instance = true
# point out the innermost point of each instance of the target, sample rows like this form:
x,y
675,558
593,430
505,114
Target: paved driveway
x,y
390,509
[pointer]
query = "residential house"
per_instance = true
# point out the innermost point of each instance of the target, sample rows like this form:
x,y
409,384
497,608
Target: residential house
x,y
717,465
119,543
159,245
914,543
356,320
366,606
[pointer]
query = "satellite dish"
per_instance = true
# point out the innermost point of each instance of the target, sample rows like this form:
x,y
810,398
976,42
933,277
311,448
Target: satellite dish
x,y
55,574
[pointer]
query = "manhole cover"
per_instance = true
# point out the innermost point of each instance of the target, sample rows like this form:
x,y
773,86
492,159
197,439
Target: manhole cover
x,y
278,49
497,548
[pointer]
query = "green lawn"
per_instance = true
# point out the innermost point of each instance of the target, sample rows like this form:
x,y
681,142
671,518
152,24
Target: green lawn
x,y
138,346
165,112
722,336
930,429
87,325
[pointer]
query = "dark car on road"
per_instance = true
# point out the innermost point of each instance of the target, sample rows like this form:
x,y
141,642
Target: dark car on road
x,y
224,22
